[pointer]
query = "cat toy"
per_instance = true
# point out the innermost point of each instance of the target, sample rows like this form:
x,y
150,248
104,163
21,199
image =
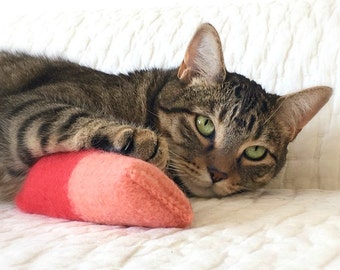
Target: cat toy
x,y
104,188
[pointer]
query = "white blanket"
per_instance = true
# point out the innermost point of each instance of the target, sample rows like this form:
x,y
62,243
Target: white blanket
x,y
276,229
285,46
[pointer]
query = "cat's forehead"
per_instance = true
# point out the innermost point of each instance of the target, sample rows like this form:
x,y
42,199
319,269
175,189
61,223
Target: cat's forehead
x,y
241,107
238,102
242,88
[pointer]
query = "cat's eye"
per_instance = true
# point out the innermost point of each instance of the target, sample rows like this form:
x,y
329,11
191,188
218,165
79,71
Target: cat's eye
x,y
205,126
255,153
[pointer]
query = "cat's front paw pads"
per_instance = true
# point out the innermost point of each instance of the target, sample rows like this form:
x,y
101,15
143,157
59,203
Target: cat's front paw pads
x,y
143,144
137,142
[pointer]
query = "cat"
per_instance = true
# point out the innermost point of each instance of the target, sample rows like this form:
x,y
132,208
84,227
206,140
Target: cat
x,y
215,133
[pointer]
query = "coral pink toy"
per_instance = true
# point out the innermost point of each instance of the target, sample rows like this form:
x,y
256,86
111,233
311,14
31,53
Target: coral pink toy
x,y
104,188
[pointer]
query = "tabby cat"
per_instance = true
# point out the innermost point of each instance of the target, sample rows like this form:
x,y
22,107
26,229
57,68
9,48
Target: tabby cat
x,y
214,132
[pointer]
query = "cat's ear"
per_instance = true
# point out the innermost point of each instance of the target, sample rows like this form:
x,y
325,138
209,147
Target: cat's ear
x,y
203,57
296,110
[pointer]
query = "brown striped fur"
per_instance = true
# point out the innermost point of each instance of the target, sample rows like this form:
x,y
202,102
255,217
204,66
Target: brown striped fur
x,y
50,106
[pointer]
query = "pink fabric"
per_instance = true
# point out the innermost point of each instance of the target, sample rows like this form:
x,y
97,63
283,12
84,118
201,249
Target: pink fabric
x,y
45,190
104,188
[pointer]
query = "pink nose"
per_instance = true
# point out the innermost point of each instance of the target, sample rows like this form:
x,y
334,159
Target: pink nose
x,y
216,175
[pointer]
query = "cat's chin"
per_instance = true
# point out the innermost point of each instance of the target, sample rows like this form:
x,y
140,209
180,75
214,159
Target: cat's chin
x,y
203,192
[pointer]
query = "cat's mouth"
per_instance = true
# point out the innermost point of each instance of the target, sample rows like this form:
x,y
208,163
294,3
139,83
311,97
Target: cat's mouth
x,y
214,190
203,177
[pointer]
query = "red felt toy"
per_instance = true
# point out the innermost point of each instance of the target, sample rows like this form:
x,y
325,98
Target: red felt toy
x,y
104,188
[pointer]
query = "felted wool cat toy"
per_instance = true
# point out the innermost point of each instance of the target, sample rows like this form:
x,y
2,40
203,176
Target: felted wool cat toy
x,y
104,188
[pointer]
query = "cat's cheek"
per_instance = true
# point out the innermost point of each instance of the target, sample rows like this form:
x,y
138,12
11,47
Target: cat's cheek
x,y
261,181
202,181
201,192
227,187
199,186
254,178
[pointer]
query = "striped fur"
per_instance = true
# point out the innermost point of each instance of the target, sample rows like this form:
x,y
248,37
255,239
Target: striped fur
x,y
49,106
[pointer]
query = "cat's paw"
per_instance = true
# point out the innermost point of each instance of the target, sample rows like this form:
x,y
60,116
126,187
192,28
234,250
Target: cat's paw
x,y
141,143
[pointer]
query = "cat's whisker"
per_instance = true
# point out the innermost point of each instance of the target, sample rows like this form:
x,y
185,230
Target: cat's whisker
x,y
152,113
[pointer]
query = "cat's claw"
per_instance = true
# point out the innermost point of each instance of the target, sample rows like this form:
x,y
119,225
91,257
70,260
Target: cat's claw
x,y
140,143
147,145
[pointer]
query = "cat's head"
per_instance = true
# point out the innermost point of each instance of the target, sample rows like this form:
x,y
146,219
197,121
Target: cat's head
x,y
226,134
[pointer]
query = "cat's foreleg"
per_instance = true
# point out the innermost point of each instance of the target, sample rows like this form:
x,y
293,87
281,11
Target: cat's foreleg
x,y
63,128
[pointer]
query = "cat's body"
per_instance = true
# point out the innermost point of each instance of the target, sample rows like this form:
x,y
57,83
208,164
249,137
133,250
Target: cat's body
x,y
214,132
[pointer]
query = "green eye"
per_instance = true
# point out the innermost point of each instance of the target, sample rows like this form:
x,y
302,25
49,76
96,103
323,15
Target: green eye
x,y
255,153
205,126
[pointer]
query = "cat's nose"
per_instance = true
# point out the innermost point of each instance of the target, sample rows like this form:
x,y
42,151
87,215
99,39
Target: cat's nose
x,y
216,175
